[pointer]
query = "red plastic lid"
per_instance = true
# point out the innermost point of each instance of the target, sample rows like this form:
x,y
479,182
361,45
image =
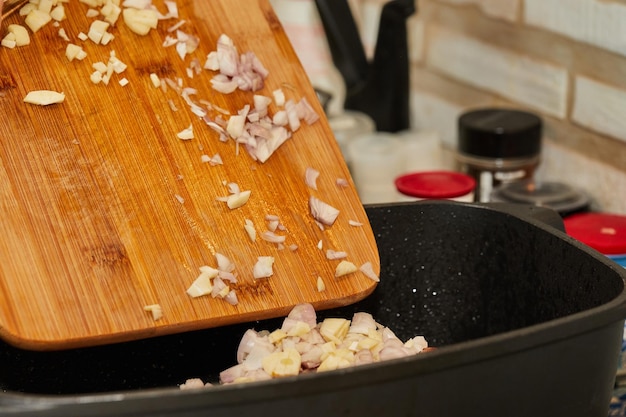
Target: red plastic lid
x,y
606,233
435,184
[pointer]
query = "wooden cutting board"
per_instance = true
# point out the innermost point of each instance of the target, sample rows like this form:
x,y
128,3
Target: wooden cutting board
x,y
105,210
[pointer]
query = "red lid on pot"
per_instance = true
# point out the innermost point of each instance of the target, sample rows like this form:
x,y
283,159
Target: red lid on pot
x,y
435,184
606,233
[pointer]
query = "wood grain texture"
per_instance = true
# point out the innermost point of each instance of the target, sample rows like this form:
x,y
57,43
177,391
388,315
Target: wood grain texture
x,y
92,229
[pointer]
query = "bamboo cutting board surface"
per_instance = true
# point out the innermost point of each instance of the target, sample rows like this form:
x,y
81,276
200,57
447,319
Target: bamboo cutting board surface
x,y
105,210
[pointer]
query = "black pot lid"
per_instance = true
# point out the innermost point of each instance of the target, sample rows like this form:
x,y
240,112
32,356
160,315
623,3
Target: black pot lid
x,y
555,195
499,133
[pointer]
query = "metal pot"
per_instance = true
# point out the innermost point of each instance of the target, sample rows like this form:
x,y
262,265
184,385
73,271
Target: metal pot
x,y
527,321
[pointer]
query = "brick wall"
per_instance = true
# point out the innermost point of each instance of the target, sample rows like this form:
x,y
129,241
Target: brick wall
x,y
563,59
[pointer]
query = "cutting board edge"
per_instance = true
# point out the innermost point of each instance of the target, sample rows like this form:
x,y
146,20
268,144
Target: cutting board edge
x,y
20,341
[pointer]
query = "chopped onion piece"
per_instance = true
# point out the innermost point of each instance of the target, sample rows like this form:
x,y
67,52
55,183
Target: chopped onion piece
x,y
227,55
354,223
36,19
45,5
73,52
186,134
334,329
195,65
321,286
181,49
156,81
280,118
306,112
233,188
272,225
211,272
137,4
140,20
322,212
279,97
263,267
212,63
345,268
172,9
156,310
261,103
331,254
97,30
110,11
271,237
249,228
19,34
44,97
237,200
231,298
219,129
292,116
253,116
368,270
220,288
99,66
9,41
216,160
341,182
115,64
107,37
193,383
282,363
202,285
176,26
228,276
310,177
27,8
223,263
235,125
169,41
95,77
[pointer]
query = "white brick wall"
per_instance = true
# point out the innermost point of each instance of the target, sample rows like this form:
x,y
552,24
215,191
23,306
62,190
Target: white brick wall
x,y
369,19
517,77
502,9
415,30
430,112
604,185
600,107
598,22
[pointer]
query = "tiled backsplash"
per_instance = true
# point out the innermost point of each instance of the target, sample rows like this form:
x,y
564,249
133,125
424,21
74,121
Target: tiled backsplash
x,y
562,59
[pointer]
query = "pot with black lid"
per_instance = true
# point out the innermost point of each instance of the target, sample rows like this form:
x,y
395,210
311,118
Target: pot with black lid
x,y
497,146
